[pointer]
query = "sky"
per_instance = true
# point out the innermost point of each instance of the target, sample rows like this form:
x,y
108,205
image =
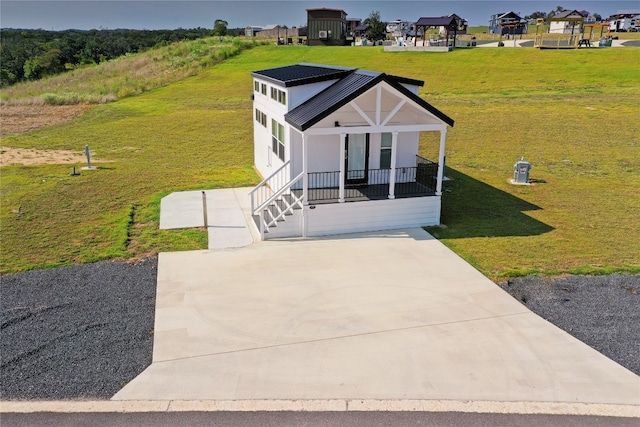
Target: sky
x,y
171,14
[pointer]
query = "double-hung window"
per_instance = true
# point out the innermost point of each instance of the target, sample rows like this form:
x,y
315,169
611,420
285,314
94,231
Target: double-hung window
x,y
277,139
261,118
260,87
385,151
279,95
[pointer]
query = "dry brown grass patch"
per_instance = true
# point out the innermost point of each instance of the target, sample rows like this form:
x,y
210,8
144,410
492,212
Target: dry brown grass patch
x,y
18,119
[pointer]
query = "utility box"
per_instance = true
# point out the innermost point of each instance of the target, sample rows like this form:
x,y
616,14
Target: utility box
x,y
521,172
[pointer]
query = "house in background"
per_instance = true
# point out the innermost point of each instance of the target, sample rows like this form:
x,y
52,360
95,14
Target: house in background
x,y
567,22
509,23
326,27
446,26
622,22
338,150
352,24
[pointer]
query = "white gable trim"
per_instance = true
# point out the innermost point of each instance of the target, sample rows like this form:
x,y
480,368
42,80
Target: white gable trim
x,y
374,129
393,112
362,113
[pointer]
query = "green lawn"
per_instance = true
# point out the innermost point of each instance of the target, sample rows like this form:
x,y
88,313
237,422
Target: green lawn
x,y
572,114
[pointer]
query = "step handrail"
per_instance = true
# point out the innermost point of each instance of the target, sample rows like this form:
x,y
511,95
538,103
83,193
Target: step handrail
x,y
263,183
279,193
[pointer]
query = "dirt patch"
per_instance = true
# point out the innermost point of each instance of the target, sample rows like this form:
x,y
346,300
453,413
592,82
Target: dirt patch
x,y
30,156
17,119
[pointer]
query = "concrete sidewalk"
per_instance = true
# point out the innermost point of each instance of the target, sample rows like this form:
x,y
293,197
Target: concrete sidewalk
x,y
388,316
227,215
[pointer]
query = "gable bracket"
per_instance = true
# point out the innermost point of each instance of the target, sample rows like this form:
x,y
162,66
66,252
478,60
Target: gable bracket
x,y
362,113
393,112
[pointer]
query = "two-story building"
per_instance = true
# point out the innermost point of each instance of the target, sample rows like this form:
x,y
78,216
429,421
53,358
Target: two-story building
x,y
507,23
338,150
326,27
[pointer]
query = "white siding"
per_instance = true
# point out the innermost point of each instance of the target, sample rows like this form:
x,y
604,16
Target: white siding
x,y
262,136
412,88
290,227
300,94
354,217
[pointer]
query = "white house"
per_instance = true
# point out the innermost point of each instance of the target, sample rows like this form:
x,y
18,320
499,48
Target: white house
x,y
567,22
338,148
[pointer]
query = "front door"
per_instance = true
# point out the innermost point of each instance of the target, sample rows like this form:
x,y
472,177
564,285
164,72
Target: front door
x,y
357,159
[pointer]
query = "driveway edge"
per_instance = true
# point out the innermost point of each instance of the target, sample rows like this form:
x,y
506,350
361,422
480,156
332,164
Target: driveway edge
x,y
334,405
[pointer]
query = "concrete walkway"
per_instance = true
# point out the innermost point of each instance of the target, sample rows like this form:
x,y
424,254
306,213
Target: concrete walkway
x,y
227,215
387,316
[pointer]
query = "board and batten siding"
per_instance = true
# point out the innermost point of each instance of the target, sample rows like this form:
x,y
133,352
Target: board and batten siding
x,y
340,218
326,20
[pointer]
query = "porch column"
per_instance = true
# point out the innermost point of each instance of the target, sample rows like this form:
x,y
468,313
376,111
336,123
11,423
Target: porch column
x,y
443,137
343,139
392,172
305,176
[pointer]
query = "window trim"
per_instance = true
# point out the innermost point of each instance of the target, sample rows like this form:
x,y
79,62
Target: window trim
x,y
277,139
261,118
279,95
385,149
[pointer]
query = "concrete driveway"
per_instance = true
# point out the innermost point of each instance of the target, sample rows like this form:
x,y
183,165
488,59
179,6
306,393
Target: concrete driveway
x,y
380,316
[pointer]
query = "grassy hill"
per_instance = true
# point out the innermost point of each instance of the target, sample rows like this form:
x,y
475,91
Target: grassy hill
x,y
570,113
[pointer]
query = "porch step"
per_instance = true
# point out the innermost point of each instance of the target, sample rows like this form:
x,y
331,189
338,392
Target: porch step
x,y
286,226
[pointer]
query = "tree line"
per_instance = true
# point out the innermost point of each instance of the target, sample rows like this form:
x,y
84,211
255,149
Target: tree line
x,y
33,54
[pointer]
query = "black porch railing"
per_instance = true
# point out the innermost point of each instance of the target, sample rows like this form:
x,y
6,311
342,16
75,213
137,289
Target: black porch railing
x,y
373,184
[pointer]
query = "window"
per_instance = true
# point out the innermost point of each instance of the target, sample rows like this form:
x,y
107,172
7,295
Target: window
x,y
278,95
277,139
263,89
256,86
261,118
385,151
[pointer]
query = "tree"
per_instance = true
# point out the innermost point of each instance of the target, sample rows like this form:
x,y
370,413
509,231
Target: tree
x,y
220,27
536,15
43,65
377,29
597,17
556,11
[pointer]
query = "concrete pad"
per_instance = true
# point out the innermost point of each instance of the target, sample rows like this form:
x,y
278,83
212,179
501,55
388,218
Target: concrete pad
x,y
181,210
227,220
377,316
227,225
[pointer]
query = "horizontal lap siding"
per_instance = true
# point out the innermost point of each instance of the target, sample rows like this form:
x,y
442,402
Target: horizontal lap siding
x,y
352,217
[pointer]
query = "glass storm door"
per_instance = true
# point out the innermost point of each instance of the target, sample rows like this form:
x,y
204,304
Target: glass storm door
x,y
357,159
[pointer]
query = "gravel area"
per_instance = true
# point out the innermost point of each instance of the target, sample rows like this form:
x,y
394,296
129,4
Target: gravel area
x,y
79,332
601,311
84,332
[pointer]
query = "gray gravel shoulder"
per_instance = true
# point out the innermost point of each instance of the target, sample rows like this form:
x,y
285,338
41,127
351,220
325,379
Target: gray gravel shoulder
x,y
601,311
84,332
76,332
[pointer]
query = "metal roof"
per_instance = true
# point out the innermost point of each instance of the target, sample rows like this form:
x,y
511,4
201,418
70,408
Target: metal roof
x,y
347,89
436,22
567,14
301,74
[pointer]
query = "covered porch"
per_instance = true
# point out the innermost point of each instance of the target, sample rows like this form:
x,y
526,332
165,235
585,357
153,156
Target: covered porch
x,y
352,162
416,181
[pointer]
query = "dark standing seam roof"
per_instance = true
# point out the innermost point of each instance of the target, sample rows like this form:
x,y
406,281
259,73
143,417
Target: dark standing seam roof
x,y
344,91
435,22
301,74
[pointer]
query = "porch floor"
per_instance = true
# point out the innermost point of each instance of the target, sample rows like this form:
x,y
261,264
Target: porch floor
x,y
360,193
